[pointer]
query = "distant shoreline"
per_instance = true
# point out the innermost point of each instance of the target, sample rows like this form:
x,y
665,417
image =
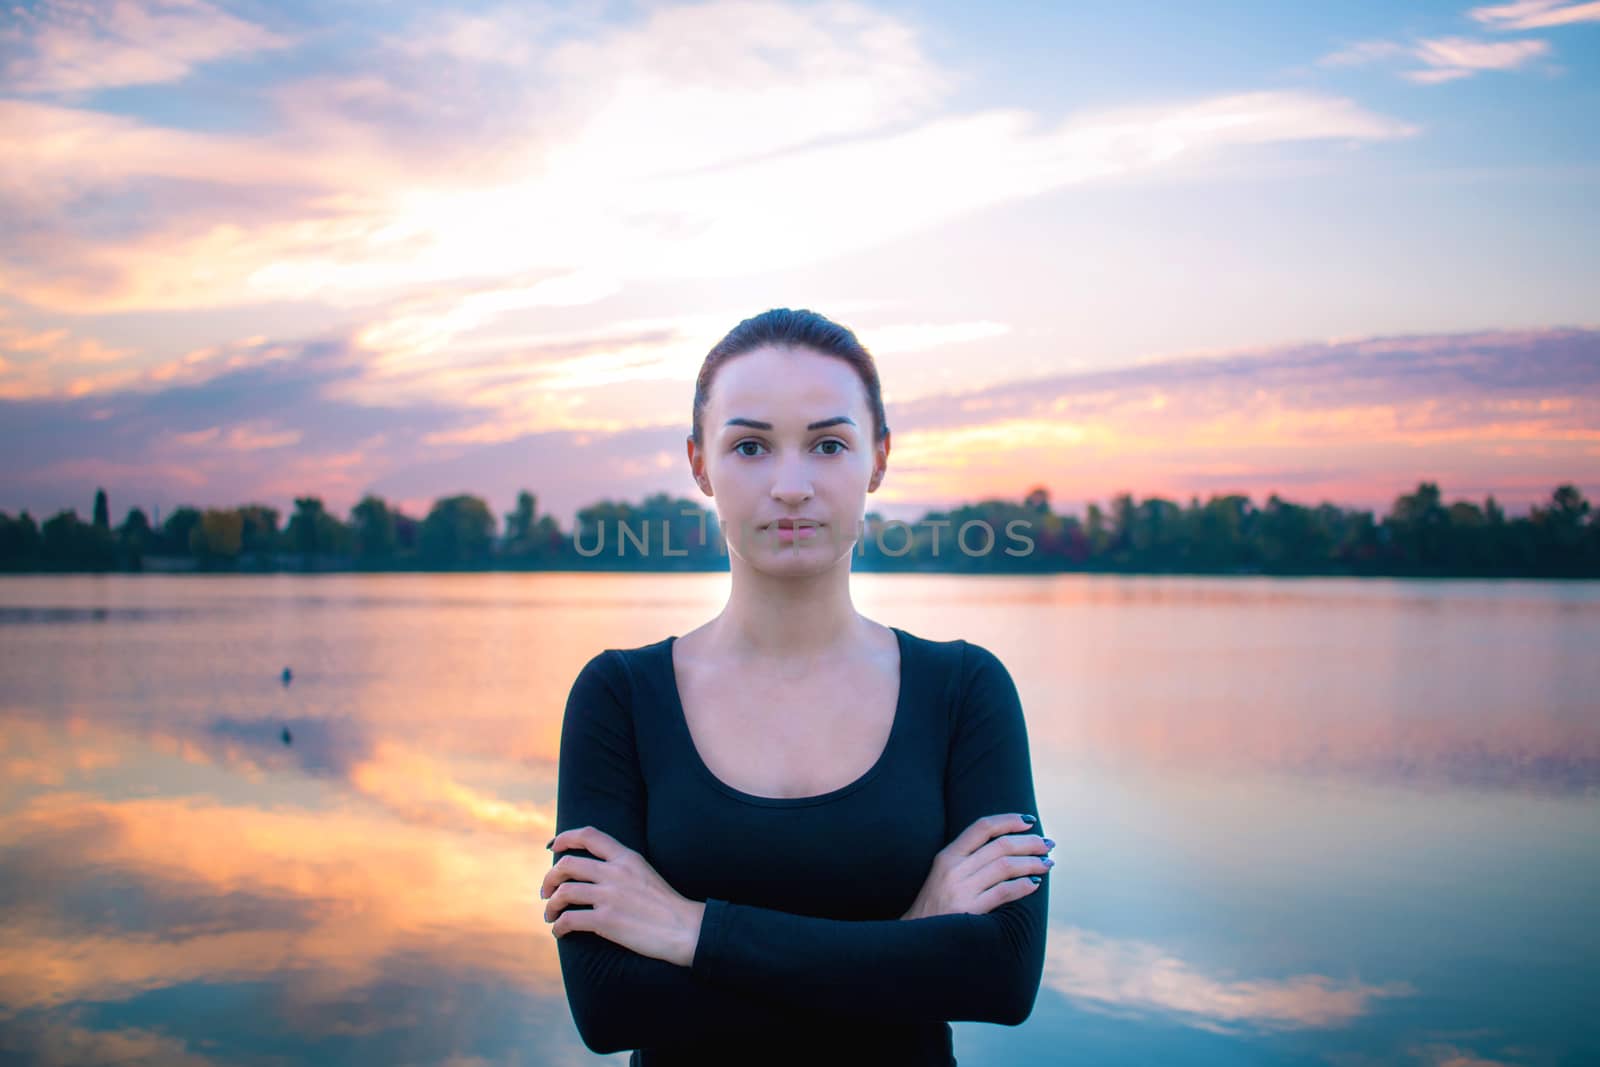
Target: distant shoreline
x,y
1423,536
248,572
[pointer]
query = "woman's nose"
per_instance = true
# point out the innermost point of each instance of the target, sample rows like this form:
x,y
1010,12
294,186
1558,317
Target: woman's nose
x,y
791,480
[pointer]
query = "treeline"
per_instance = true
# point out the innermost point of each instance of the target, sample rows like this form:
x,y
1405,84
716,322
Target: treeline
x,y
1422,535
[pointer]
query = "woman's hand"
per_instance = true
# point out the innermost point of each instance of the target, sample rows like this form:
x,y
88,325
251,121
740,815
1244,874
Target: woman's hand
x,y
974,874
631,904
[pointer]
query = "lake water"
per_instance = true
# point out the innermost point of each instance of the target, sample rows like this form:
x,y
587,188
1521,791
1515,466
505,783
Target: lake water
x,y
1299,821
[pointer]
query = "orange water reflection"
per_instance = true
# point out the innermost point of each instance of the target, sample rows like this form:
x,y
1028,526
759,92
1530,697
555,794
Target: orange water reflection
x,y
163,843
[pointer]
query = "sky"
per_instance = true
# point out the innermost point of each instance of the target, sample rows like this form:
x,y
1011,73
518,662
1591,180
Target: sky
x,y
259,251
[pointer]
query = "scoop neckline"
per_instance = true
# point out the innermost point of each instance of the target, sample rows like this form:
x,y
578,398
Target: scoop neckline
x,y
681,723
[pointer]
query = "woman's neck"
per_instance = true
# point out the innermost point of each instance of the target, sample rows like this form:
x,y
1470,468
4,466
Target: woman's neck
x,y
779,618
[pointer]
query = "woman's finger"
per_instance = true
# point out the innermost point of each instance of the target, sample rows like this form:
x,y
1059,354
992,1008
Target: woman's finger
x,y
1014,844
571,920
1009,868
1007,891
982,830
569,868
592,840
567,894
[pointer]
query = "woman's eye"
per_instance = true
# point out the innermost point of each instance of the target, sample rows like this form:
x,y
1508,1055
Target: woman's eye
x,y
839,446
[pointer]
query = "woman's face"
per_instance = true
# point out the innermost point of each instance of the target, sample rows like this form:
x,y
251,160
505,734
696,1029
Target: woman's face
x,y
776,448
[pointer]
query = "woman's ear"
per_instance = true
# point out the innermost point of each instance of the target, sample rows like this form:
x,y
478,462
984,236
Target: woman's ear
x,y
696,468
880,465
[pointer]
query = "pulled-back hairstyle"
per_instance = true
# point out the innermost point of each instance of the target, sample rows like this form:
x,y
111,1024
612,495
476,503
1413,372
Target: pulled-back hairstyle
x,y
804,329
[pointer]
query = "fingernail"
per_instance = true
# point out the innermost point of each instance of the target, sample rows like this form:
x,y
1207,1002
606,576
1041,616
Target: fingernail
x,y
1035,879
1049,843
1029,819
550,842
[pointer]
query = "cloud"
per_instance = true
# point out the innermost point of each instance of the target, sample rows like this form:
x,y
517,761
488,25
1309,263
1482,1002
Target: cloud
x,y
255,417
782,77
422,788
1445,58
426,325
501,36
1364,52
62,47
1439,382
244,437
59,1042
1508,412
602,162
1535,14
419,788
325,903
38,363
522,383
1449,58
1132,978
920,336
1445,1054
38,753
1390,374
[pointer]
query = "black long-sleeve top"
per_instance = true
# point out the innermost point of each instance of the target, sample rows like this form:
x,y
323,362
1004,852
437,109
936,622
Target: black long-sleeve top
x,y
802,957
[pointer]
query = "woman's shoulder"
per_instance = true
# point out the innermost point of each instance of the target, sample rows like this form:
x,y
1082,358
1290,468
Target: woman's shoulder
x,y
611,680
622,660
957,651
633,652
617,667
976,684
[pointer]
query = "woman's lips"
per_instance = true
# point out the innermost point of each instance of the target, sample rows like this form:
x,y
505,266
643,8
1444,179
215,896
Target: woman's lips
x,y
802,531
791,533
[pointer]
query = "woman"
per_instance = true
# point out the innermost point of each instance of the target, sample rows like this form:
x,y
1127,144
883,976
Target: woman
x,y
794,834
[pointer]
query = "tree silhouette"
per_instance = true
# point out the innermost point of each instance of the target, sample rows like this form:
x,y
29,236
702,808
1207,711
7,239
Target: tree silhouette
x,y
1422,535
458,531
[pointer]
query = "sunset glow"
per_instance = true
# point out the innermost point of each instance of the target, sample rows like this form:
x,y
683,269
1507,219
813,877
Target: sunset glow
x,y
248,257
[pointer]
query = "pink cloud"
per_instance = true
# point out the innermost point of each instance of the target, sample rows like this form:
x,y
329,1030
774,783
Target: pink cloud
x,y
61,47
1125,977
603,161
1445,58
1535,14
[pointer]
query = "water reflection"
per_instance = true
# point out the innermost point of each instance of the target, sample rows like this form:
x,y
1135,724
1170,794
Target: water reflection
x,y
24,614
1299,822
1141,978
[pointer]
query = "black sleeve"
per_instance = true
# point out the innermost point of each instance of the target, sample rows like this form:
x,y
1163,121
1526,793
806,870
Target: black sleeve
x,y
982,968
619,998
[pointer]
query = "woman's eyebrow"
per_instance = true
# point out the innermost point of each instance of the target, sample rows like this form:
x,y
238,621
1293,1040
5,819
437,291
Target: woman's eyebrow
x,y
759,425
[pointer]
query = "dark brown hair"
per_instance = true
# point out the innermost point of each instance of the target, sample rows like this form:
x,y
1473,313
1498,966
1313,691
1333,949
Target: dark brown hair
x,y
804,329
